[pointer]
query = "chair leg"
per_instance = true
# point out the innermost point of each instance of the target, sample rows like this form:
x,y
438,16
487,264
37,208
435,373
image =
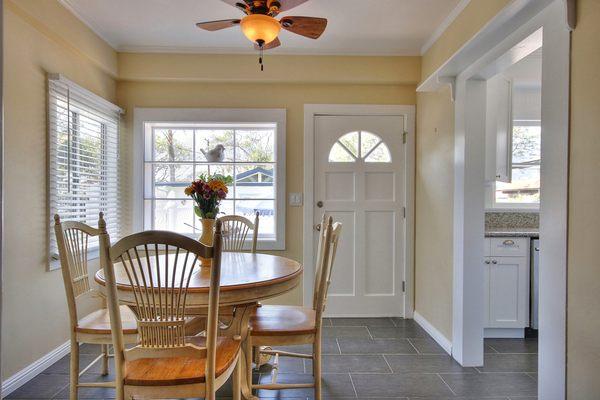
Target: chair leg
x,y
74,370
104,359
248,360
317,366
237,380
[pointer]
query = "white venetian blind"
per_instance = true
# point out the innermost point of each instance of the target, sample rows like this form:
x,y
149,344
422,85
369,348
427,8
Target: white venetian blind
x,y
83,158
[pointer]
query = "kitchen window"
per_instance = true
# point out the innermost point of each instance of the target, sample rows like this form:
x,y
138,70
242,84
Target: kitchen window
x,y
523,190
175,154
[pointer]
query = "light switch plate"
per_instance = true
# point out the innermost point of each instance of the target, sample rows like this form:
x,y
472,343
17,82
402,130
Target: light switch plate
x,y
295,199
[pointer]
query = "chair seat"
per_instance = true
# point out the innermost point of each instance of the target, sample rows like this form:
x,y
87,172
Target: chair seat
x,y
283,320
171,371
98,322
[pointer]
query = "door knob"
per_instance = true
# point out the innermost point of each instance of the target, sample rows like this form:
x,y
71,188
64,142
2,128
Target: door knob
x,y
318,227
320,204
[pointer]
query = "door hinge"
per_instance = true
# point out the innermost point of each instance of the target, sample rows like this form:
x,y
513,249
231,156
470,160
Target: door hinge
x,y
404,212
404,135
403,286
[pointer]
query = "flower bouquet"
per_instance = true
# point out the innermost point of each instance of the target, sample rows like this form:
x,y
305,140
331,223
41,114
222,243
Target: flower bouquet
x,y
207,192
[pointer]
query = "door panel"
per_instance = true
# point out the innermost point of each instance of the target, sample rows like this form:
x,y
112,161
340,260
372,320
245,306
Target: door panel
x,y
359,178
342,277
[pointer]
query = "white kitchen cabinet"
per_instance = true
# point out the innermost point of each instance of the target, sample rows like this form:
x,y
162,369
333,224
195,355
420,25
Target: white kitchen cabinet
x,y
506,280
498,136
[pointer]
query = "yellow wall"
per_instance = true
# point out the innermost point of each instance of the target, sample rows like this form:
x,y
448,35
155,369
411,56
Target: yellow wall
x,y
34,315
583,324
434,176
282,68
434,200
292,97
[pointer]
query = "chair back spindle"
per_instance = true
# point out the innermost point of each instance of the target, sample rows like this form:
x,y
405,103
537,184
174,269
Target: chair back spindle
x,y
235,232
73,242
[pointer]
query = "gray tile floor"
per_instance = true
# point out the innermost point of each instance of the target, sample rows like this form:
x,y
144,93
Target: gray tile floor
x,y
363,358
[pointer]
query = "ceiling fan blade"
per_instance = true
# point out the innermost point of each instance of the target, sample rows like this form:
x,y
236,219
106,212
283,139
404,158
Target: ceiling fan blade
x,y
269,46
289,4
218,25
240,4
310,27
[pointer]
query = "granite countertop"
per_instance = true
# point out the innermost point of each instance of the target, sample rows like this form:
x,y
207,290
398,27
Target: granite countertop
x,y
512,232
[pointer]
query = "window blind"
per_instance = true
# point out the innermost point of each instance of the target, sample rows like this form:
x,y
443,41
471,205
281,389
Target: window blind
x,y
83,158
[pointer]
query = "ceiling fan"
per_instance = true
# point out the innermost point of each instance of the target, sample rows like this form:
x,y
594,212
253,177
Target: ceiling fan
x,y
260,26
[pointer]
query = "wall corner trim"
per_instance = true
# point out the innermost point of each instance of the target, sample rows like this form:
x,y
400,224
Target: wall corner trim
x,y
442,340
34,369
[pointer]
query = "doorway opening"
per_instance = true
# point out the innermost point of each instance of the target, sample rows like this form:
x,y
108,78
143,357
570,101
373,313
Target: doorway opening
x,y
516,33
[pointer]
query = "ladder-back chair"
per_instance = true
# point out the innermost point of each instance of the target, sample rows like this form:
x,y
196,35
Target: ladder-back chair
x,y
291,325
166,363
235,232
73,242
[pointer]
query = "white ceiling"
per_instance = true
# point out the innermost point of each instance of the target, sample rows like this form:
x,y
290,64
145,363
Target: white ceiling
x,y
356,27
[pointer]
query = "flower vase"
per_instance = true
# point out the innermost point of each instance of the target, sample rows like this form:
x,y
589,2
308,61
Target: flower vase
x,y
208,228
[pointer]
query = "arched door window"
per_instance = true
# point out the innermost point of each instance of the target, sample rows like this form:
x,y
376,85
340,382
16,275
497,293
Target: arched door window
x,y
360,145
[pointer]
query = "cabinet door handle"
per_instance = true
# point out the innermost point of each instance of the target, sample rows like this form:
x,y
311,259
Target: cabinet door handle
x,y
508,242
494,262
487,261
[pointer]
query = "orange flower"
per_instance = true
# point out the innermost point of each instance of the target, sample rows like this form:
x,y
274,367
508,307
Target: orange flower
x,y
217,185
189,190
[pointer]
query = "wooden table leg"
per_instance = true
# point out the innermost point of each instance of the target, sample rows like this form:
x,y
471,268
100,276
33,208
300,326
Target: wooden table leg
x,y
240,326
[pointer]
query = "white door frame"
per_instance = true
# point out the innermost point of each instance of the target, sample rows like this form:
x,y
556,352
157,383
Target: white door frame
x,y
464,72
310,112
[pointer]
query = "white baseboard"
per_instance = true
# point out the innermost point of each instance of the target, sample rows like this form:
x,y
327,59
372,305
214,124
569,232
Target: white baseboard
x,y
504,333
442,340
34,369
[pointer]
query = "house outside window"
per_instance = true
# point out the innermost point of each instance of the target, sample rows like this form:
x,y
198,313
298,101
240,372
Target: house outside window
x,y
175,143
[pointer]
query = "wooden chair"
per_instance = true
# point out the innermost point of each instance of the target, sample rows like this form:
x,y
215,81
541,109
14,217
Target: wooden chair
x,y
73,240
166,363
235,232
290,325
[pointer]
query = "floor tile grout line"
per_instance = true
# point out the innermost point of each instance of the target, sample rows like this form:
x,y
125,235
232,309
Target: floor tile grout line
x,y
445,383
414,347
353,386
388,363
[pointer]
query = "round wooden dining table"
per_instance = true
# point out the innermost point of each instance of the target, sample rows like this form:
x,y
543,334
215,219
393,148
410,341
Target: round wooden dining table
x,y
246,279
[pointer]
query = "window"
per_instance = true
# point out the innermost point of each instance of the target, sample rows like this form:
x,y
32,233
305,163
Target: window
x,y
360,145
524,188
83,158
174,155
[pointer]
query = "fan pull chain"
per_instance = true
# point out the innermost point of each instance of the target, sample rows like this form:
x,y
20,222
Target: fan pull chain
x,y
260,58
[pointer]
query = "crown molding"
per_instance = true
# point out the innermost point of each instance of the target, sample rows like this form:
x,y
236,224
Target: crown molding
x,y
444,25
71,8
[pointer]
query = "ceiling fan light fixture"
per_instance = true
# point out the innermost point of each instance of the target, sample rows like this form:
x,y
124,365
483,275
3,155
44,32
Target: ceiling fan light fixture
x,y
259,28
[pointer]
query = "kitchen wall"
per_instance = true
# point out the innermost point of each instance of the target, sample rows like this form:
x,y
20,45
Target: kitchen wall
x,y
434,183
583,348
291,96
40,37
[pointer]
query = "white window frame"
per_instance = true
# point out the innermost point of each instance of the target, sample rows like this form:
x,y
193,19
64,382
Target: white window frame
x,y
144,116
59,86
490,189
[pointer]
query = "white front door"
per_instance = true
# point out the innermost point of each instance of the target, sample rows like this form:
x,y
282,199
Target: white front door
x,y
360,181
